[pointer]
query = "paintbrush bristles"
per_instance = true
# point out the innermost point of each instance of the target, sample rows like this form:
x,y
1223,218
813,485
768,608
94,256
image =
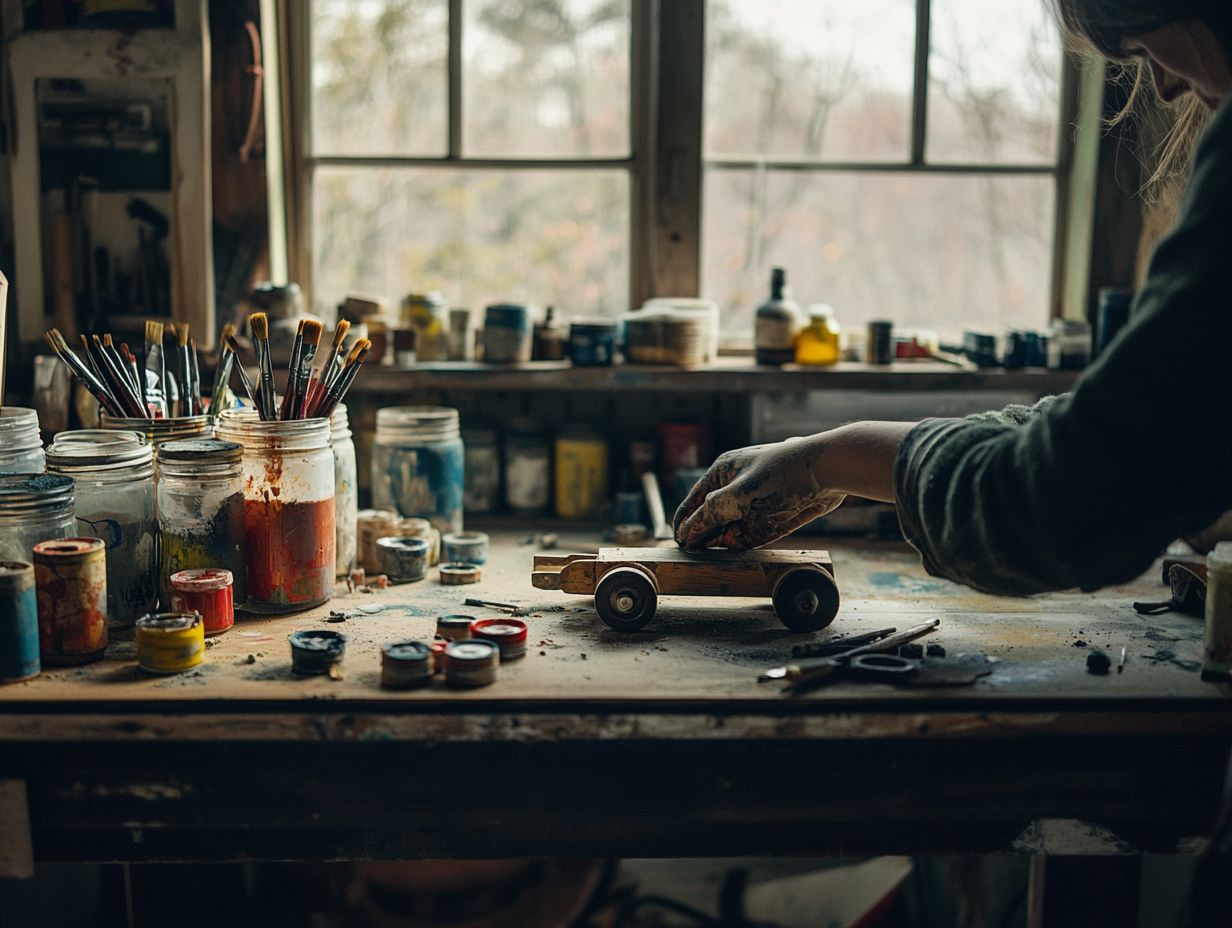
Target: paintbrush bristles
x,y
355,350
340,331
228,330
153,331
107,342
311,331
259,324
182,334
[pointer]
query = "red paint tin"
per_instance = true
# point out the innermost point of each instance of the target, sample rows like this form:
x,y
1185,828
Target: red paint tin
x,y
507,634
70,577
209,591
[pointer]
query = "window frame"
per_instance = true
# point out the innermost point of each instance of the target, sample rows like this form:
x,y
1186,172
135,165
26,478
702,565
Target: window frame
x,y
666,160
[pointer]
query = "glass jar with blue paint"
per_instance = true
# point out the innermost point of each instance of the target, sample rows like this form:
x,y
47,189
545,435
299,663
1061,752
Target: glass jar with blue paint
x,y
418,464
593,342
113,473
508,333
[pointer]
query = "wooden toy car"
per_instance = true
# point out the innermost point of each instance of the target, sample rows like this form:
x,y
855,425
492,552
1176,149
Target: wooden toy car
x,y
627,582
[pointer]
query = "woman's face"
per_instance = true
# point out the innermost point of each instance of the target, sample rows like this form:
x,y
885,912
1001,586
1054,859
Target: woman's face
x,y
1185,56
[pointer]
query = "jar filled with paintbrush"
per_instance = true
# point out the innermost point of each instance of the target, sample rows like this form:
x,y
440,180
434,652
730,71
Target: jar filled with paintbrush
x,y
200,510
289,510
113,474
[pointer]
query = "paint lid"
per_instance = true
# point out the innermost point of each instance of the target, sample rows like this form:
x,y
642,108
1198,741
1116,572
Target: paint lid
x,y
66,549
318,640
502,631
31,492
404,544
593,327
201,580
202,451
16,575
159,430
168,622
410,652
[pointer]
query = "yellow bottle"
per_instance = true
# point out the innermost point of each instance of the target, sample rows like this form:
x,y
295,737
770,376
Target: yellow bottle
x,y
818,344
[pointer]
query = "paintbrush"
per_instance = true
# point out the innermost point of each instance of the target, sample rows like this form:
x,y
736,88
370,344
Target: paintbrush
x,y
233,349
134,371
185,380
112,374
194,377
331,363
117,360
309,343
171,377
98,389
297,346
343,383
154,368
222,375
258,324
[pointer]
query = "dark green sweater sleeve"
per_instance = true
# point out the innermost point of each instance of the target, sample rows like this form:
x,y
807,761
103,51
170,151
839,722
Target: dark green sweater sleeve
x,y
1088,490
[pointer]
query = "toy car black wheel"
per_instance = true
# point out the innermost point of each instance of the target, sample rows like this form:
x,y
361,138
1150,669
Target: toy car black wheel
x,y
806,599
626,599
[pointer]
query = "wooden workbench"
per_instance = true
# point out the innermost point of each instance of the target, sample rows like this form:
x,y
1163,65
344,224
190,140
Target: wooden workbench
x,y
655,743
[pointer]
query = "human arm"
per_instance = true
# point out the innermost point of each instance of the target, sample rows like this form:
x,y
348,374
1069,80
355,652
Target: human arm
x,y
752,496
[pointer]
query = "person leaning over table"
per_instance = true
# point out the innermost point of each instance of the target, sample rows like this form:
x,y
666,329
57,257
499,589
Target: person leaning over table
x,y
1082,490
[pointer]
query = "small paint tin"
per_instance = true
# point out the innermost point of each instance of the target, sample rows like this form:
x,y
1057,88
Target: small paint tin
x,y
460,573
421,528
403,559
508,333
468,547
170,642
314,652
509,635
980,348
593,344
879,343
19,627
630,508
370,525
471,662
70,578
209,591
581,472
438,655
454,627
406,665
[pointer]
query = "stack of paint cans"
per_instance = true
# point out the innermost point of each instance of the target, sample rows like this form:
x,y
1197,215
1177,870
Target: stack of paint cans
x,y
406,665
316,652
509,635
471,663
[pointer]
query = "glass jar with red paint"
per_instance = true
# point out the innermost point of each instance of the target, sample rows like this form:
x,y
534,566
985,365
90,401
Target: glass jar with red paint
x,y
289,531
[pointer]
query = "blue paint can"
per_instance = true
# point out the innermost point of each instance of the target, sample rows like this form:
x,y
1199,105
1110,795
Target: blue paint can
x,y
418,464
508,332
469,547
593,344
316,652
19,631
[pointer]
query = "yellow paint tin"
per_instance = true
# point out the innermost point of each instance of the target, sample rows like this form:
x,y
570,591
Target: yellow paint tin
x,y
170,642
581,473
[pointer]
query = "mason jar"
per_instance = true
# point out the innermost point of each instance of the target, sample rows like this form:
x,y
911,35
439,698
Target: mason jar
x,y
21,447
346,491
113,473
200,510
418,464
33,508
289,510
157,431
482,470
528,468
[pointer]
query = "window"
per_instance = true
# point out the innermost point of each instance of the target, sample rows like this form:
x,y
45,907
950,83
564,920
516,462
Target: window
x,y
477,147
898,157
901,158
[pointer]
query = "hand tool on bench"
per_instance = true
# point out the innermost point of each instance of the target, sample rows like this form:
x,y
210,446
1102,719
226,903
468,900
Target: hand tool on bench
x,y
805,674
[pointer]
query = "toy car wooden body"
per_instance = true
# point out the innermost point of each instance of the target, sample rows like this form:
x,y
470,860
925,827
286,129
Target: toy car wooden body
x,y
627,582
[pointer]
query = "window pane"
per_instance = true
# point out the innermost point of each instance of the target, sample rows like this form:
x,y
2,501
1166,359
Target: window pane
x,y
994,85
546,78
936,251
809,79
379,77
478,236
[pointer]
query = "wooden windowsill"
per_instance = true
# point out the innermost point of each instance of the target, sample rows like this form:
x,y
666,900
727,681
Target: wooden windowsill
x,y
729,375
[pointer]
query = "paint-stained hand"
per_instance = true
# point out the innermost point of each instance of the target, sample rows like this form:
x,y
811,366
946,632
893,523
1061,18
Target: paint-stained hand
x,y
752,496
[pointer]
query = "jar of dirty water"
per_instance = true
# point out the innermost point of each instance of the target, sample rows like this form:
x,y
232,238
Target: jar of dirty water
x,y
346,491
113,473
528,467
33,508
418,464
289,510
21,447
481,491
200,511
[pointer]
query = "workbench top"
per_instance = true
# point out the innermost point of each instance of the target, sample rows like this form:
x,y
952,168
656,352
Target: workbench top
x,y
698,653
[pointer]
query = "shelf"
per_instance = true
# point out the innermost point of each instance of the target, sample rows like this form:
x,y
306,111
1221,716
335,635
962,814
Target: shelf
x,y
728,376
